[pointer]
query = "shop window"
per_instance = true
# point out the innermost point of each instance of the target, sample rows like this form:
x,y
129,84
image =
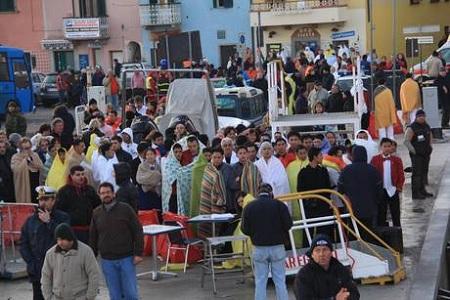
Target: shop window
x,y
221,34
7,5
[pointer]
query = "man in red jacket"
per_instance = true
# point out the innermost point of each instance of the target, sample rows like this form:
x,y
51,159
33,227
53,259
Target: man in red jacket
x,y
390,168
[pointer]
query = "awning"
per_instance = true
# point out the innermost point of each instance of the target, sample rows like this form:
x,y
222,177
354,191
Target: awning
x,y
57,44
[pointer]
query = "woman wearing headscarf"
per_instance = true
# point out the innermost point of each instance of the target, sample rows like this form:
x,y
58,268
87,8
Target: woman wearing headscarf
x,y
363,138
272,170
176,183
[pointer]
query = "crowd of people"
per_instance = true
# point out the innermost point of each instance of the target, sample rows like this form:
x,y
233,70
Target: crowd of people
x,y
89,188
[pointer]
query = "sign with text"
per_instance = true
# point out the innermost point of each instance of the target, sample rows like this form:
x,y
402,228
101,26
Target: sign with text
x,y
82,28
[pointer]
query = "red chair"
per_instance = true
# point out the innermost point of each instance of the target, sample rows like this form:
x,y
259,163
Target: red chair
x,y
148,217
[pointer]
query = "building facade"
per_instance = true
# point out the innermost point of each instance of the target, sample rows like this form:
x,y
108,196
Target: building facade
x,y
295,24
21,24
223,25
413,18
81,33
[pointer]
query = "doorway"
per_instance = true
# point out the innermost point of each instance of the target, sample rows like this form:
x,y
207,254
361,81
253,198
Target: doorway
x,y
225,52
305,37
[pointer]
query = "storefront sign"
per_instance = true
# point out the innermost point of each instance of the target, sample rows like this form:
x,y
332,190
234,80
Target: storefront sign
x,y
56,45
342,35
274,48
82,28
305,33
84,60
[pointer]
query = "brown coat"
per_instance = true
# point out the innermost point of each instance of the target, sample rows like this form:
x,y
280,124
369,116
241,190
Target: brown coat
x,y
21,167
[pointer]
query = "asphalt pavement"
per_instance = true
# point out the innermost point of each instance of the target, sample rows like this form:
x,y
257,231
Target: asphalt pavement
x,y
414,218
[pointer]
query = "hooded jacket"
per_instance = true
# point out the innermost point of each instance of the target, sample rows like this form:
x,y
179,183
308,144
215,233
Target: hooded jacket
x,y
131,147
362,184
127,192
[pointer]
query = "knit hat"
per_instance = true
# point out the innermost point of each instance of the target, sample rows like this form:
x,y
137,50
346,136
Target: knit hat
x,y
420,112
64,232
320,240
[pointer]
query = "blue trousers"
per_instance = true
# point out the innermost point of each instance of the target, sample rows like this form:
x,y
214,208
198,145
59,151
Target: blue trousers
x,y
265,259
120,277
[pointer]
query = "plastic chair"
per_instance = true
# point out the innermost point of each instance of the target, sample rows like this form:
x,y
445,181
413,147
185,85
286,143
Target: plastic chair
x,y
178,240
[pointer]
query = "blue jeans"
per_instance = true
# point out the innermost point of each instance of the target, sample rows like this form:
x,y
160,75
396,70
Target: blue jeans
x,y
114,100
265,257
120,277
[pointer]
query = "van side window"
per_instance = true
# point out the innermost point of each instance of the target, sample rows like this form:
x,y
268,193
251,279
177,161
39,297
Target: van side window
x,y
4,74
245,109
21,75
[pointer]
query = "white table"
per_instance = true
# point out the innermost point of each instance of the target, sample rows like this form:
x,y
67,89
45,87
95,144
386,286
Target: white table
x,y
154,230
213,219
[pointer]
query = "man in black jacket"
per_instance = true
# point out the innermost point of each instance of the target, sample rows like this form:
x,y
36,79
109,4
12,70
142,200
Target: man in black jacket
x,y
37,236
361,183
6,175
122,155
268,240
78,199
315,177
324,277
127,192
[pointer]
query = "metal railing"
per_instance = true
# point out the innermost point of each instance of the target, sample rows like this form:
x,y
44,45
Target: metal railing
x,y
295,5
160,14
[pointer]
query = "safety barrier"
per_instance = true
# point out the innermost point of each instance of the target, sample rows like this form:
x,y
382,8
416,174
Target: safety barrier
x,y
12,218
383,256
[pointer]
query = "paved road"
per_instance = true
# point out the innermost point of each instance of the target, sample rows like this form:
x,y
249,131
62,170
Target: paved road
x,y
415,215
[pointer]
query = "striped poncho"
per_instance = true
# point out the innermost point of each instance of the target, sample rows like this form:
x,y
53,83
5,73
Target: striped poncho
x,y
213,196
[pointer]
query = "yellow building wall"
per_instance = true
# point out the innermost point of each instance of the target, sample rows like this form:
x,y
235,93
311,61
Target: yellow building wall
x,y
423,14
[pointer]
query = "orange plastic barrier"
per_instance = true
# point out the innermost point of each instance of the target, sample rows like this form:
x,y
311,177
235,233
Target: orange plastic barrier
x,y
14,216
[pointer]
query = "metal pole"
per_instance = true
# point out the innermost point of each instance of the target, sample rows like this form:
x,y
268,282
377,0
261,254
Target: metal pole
x,y
372,28
394,48
167,50
190,50
258,37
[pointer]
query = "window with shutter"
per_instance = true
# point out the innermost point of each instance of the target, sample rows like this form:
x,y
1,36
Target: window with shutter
x,y
221,34
7,5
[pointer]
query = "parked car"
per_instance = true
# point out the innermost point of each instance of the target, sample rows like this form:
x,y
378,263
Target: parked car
x,y
37,79
49,93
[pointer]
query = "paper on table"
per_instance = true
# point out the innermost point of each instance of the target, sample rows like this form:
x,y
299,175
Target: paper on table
x,y
222,216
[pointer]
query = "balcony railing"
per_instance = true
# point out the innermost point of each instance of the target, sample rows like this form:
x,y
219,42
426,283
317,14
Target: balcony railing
x,y
160,14
295,5
86,28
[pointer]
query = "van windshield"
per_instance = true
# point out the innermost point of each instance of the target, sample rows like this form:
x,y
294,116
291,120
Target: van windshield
x,y
226,106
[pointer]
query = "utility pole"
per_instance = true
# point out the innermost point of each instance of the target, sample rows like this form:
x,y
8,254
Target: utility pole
x,y
394,48
372,29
